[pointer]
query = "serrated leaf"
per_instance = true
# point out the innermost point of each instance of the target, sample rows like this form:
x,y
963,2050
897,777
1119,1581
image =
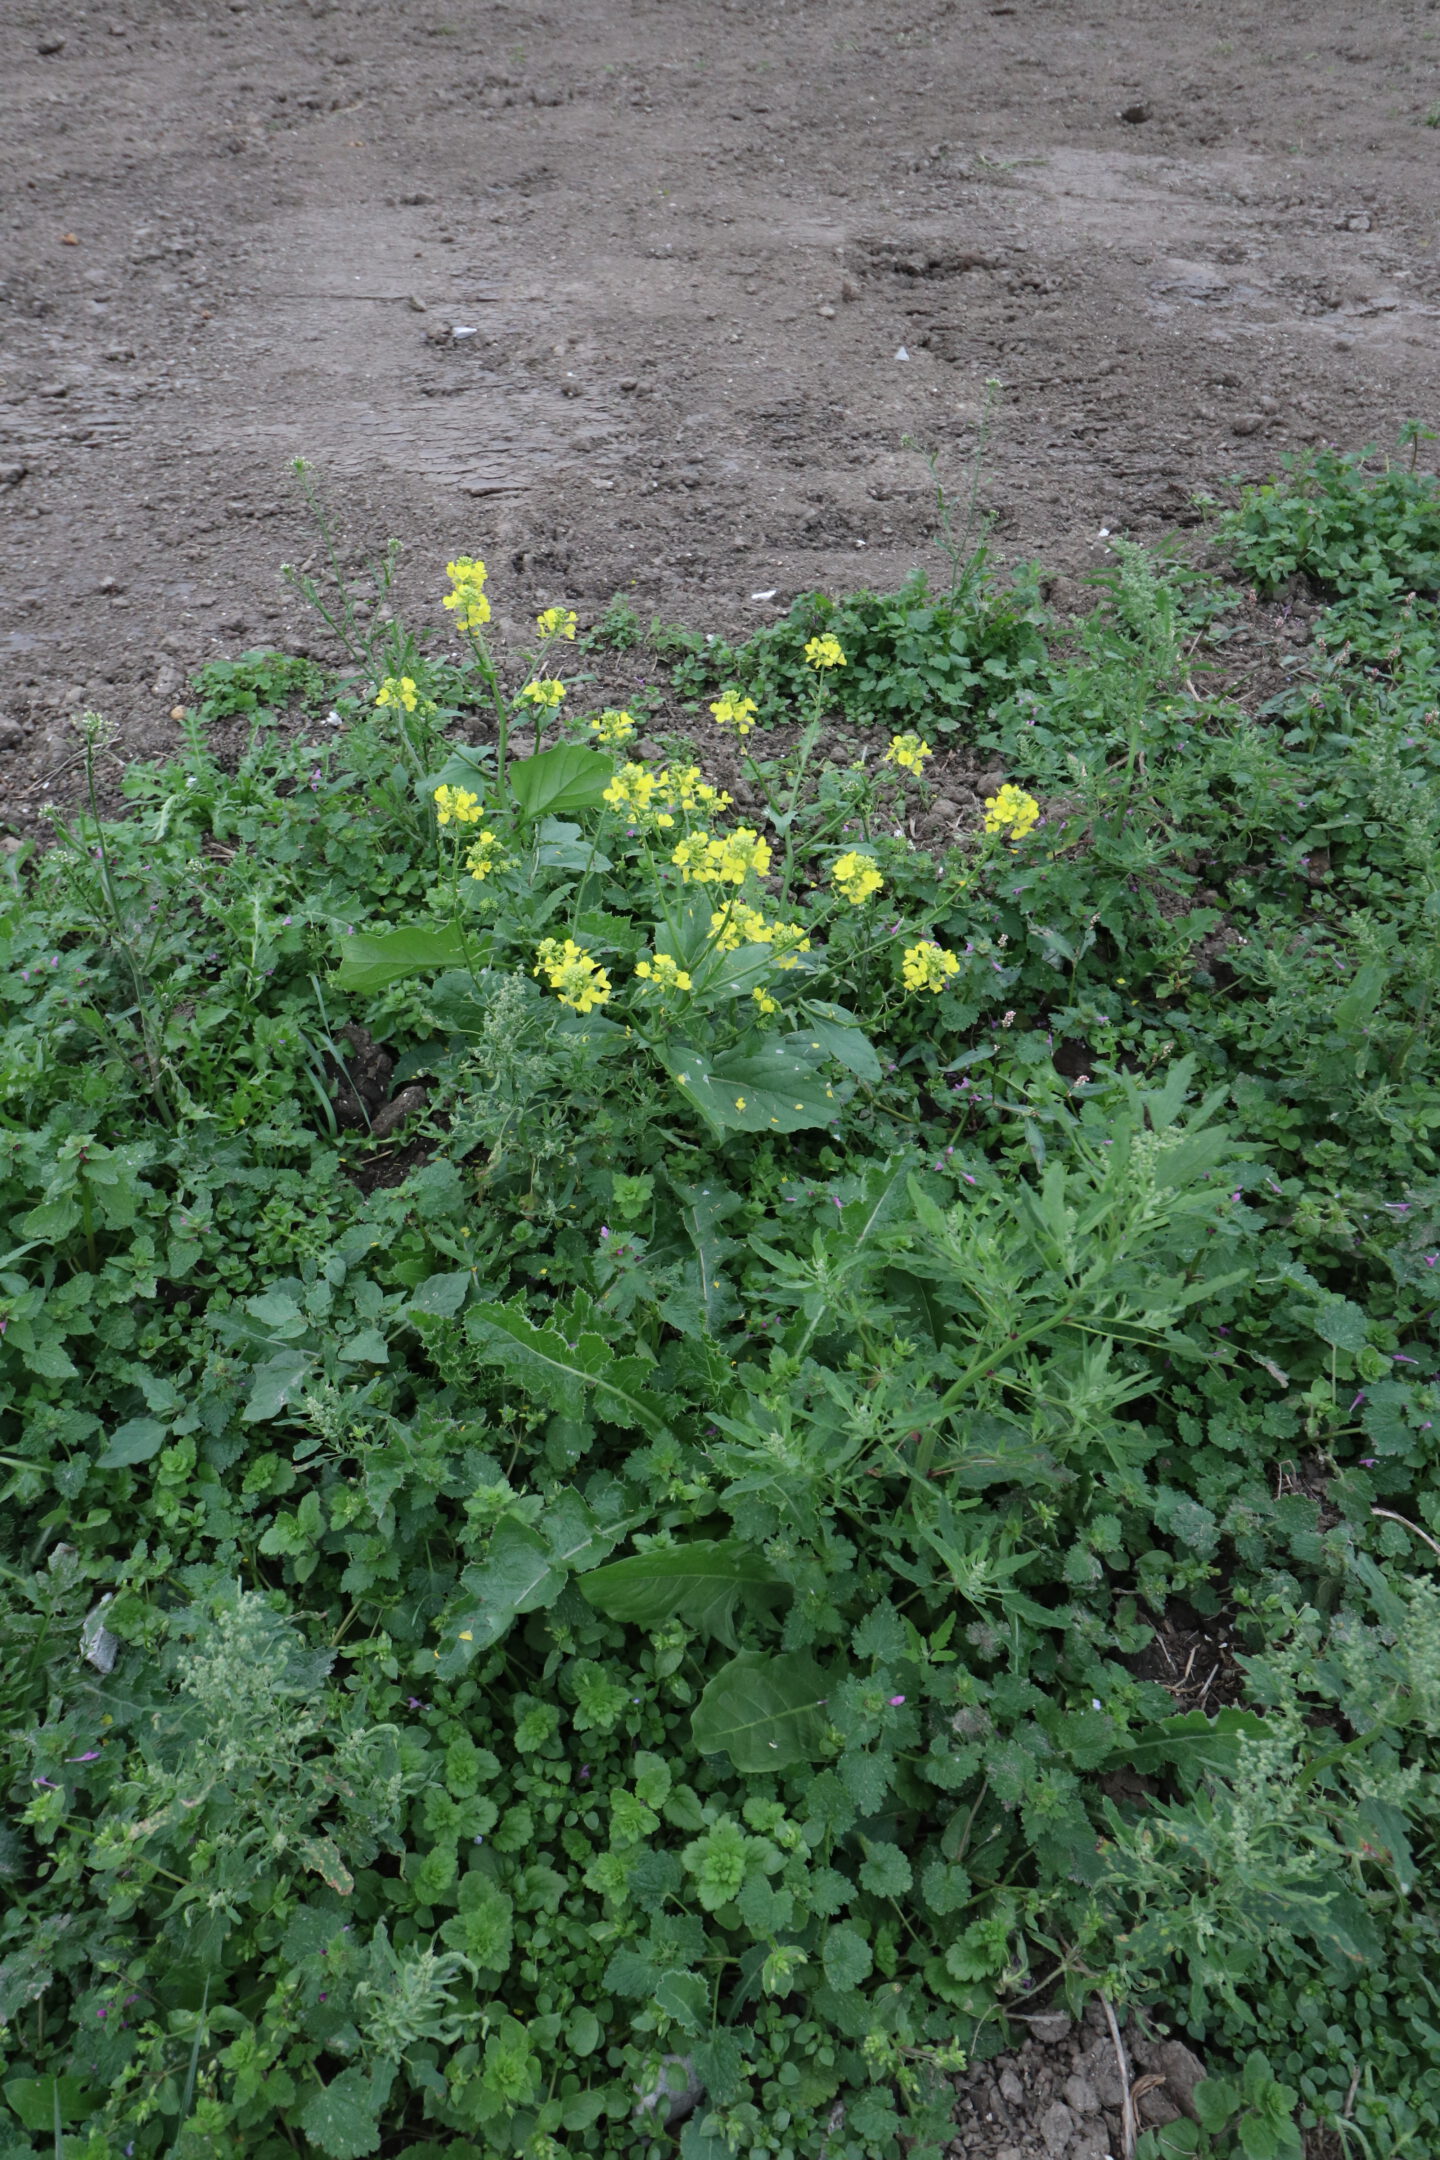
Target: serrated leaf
x,y
520,1575
702,1209
573,1377
565,780
1189,1743
134,1442
1337,1322
770,1088
372,960
764,1712
847,1957
702,1583
342,2118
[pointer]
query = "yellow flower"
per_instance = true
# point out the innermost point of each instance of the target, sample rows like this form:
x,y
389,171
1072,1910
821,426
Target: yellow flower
x,y
739,1102
467,599
662,973
766,1003
486,853
927,966
459,804
571,974
613,728
909,752
825,652
547,693
398,691
690,791
740,852
556,622
735,712
856,878
1012,811
692,858
634,791
742,925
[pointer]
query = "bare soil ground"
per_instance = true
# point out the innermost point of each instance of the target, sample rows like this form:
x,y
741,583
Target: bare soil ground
x,y
718,260
720,257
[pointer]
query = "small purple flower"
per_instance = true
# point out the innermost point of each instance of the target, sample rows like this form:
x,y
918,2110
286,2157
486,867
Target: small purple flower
x,y
1368,1462
93,1755
1358,1400
895,1701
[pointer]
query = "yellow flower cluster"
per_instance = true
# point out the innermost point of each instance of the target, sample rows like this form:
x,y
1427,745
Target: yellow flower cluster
x,y
467,598
613,728
662,973
909,752
457,805
856,878
657,799
927,966
735,712
556,622
825,652
486,853
766,1003
1012,811
546,693
571,974
724,859
398,690
742,925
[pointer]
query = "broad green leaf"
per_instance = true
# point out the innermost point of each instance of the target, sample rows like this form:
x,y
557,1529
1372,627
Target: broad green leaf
x,y
570,1376
701,1583
440,1297
342,2118
847,1956
527,1567
133,1442
1361,999
1381,1829
278,1312
764,1712
566,779
771,1088
702,1209
372,960
34,2100
684,1996
1189,1743
832,1029
276,1384
576,1540
1337,1322
992,1451
520,1575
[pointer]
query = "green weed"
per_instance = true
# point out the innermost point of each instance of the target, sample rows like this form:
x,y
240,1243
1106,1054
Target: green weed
x,y
652,1561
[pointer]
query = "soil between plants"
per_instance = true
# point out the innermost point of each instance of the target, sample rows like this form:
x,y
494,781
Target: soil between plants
x,y
657,297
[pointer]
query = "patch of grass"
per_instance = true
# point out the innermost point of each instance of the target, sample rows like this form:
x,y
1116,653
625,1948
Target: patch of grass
x,y
645,1570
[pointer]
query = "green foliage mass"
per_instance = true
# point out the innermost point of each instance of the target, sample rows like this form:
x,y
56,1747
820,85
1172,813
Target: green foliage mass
x,y
648,1574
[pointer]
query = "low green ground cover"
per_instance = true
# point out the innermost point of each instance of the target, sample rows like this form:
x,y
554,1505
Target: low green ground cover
x,y
656,1561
